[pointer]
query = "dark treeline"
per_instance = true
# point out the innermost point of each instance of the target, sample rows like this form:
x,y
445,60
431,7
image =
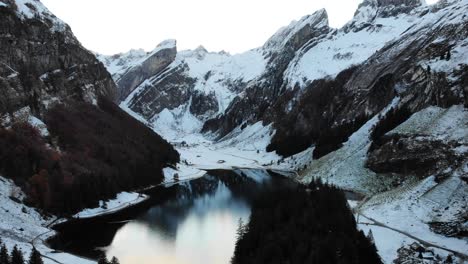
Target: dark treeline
x,y
102,151
298,226
103,260
332,138
16,256
393,118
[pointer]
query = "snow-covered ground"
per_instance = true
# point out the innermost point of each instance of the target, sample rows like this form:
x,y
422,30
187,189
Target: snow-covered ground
x,y
343,49
121,201
410,207
242,148
24,226
345,166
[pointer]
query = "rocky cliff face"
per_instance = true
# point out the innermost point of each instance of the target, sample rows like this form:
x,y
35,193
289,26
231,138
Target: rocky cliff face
x,y
432,142
370,9
41,62
128,77
48,81
269,87
408,67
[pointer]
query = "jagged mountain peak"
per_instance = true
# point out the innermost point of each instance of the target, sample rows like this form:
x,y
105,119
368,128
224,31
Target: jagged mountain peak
x,y
317,20
200,52
200,48
168,43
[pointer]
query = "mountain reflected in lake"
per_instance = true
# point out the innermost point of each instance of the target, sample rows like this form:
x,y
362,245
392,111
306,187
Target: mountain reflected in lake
x,y
184,231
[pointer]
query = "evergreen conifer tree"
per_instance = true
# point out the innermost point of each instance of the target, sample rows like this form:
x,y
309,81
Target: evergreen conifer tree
x,y
103,259
17,256
35,257
4,257
370,236
115,261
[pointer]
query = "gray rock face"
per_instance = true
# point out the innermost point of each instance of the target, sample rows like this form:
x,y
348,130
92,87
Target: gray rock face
x,y
41,62
169,86
202,105
414,155
388,8
280,50
171,92
158,61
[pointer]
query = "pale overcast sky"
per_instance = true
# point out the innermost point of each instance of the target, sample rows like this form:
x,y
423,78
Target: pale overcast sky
x,y
112,26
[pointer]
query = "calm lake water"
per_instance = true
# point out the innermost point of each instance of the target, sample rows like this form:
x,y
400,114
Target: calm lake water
x,y
185,231
190,223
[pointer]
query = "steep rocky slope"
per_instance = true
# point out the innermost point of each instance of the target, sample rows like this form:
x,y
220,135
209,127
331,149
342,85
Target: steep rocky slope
x,y
49,81
41,62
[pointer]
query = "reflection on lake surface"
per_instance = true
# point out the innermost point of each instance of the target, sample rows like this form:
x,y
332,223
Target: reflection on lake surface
x,y
188,230
188,223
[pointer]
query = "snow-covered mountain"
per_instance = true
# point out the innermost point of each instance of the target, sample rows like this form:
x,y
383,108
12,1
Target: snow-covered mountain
x,y
377,107
369,107
219,92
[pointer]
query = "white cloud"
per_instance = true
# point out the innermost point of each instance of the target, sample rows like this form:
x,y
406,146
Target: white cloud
x,y
111,26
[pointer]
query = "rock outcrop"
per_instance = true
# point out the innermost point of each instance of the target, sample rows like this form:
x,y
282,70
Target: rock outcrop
x,y
41,62
59,121
432,142
154,63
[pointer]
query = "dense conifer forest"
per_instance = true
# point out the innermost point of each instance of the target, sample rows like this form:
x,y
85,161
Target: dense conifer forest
x,y
297,226
16,256
389,121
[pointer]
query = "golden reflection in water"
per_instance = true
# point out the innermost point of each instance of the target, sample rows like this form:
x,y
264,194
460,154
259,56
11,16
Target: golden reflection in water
x,y
203,236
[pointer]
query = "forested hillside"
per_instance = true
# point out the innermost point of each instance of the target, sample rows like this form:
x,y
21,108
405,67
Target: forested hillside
x,y
313,225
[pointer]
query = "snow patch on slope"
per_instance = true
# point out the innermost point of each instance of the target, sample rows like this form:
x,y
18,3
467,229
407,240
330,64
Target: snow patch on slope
x,y
23,226
345,166
121,201
219,72
119,64
24,115
177,124
284,34
444,124
342,49
29,9
251,138
411,207
459,56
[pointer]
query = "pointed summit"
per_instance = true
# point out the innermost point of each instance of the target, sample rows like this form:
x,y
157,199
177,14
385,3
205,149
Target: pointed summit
x,y
201,49
298,32
166,44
